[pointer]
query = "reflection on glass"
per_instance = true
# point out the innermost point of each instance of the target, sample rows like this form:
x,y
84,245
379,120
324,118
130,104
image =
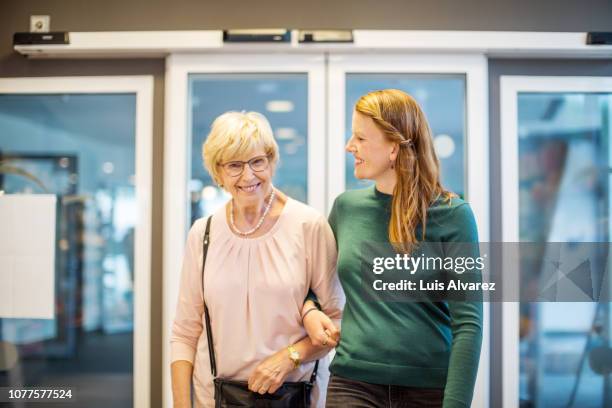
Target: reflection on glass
x,y
282,98
564,196
81,147
442,98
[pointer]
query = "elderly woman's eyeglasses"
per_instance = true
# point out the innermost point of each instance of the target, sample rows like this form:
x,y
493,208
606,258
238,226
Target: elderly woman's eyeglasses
x,y
236,167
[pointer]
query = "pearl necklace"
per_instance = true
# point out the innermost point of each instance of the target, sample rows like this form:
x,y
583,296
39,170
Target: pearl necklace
x,y
259,223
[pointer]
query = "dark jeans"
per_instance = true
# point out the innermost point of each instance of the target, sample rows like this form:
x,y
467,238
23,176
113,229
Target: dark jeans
x,y
344,393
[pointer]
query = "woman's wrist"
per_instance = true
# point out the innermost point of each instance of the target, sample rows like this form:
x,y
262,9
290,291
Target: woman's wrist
x,y
294,356
312,309
307,305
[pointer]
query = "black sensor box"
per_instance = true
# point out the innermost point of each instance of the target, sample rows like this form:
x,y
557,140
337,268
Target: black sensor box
x,y
257,35
599,38
40,38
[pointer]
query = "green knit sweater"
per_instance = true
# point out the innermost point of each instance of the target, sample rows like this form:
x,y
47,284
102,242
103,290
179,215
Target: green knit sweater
x,y
415,344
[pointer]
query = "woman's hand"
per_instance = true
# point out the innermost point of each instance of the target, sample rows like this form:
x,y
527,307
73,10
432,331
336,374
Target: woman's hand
x,y
321,330
270,374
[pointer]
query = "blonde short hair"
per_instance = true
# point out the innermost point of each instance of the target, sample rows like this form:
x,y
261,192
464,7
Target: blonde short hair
x,y
234,134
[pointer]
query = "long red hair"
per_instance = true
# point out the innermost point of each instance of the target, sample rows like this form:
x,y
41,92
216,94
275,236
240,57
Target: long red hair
x,y
417,167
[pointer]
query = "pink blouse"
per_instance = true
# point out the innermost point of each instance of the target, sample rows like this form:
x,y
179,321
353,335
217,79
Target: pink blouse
x,y
254,289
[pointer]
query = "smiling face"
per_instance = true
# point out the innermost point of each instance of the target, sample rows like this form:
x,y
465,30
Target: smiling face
x,y
250,186
373,152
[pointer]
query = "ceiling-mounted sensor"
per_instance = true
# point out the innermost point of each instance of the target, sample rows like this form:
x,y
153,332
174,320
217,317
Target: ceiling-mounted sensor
x,y
599,38
325,36
41,38
257,35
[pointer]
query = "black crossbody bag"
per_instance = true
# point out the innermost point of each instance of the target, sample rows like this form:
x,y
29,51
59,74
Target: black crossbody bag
x,y
230,393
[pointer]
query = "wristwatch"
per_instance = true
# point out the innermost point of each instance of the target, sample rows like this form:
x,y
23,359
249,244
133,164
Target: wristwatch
x,y
294,356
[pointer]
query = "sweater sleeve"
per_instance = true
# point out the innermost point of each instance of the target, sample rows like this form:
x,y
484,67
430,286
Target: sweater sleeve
x,y
187,326
466,319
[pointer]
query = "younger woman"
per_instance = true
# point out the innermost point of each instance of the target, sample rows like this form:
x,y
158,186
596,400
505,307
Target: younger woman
x,y
398,354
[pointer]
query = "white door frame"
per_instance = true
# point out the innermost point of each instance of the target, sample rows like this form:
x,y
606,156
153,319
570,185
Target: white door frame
x,y
474,67
142,87
510,87
177,155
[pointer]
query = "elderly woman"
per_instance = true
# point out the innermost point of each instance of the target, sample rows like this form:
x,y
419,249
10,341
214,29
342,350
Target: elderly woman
x,y
266,252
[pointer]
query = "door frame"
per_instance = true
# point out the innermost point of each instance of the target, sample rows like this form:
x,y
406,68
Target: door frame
x,y
510,87
177,154
474,67
142,87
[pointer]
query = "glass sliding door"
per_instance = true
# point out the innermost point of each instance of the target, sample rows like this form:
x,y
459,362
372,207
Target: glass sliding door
x,y
288,89
308,103
452,91
556,138
85,141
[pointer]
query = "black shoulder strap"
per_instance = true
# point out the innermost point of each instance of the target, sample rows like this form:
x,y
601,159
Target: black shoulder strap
x,y
313,376
211,350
